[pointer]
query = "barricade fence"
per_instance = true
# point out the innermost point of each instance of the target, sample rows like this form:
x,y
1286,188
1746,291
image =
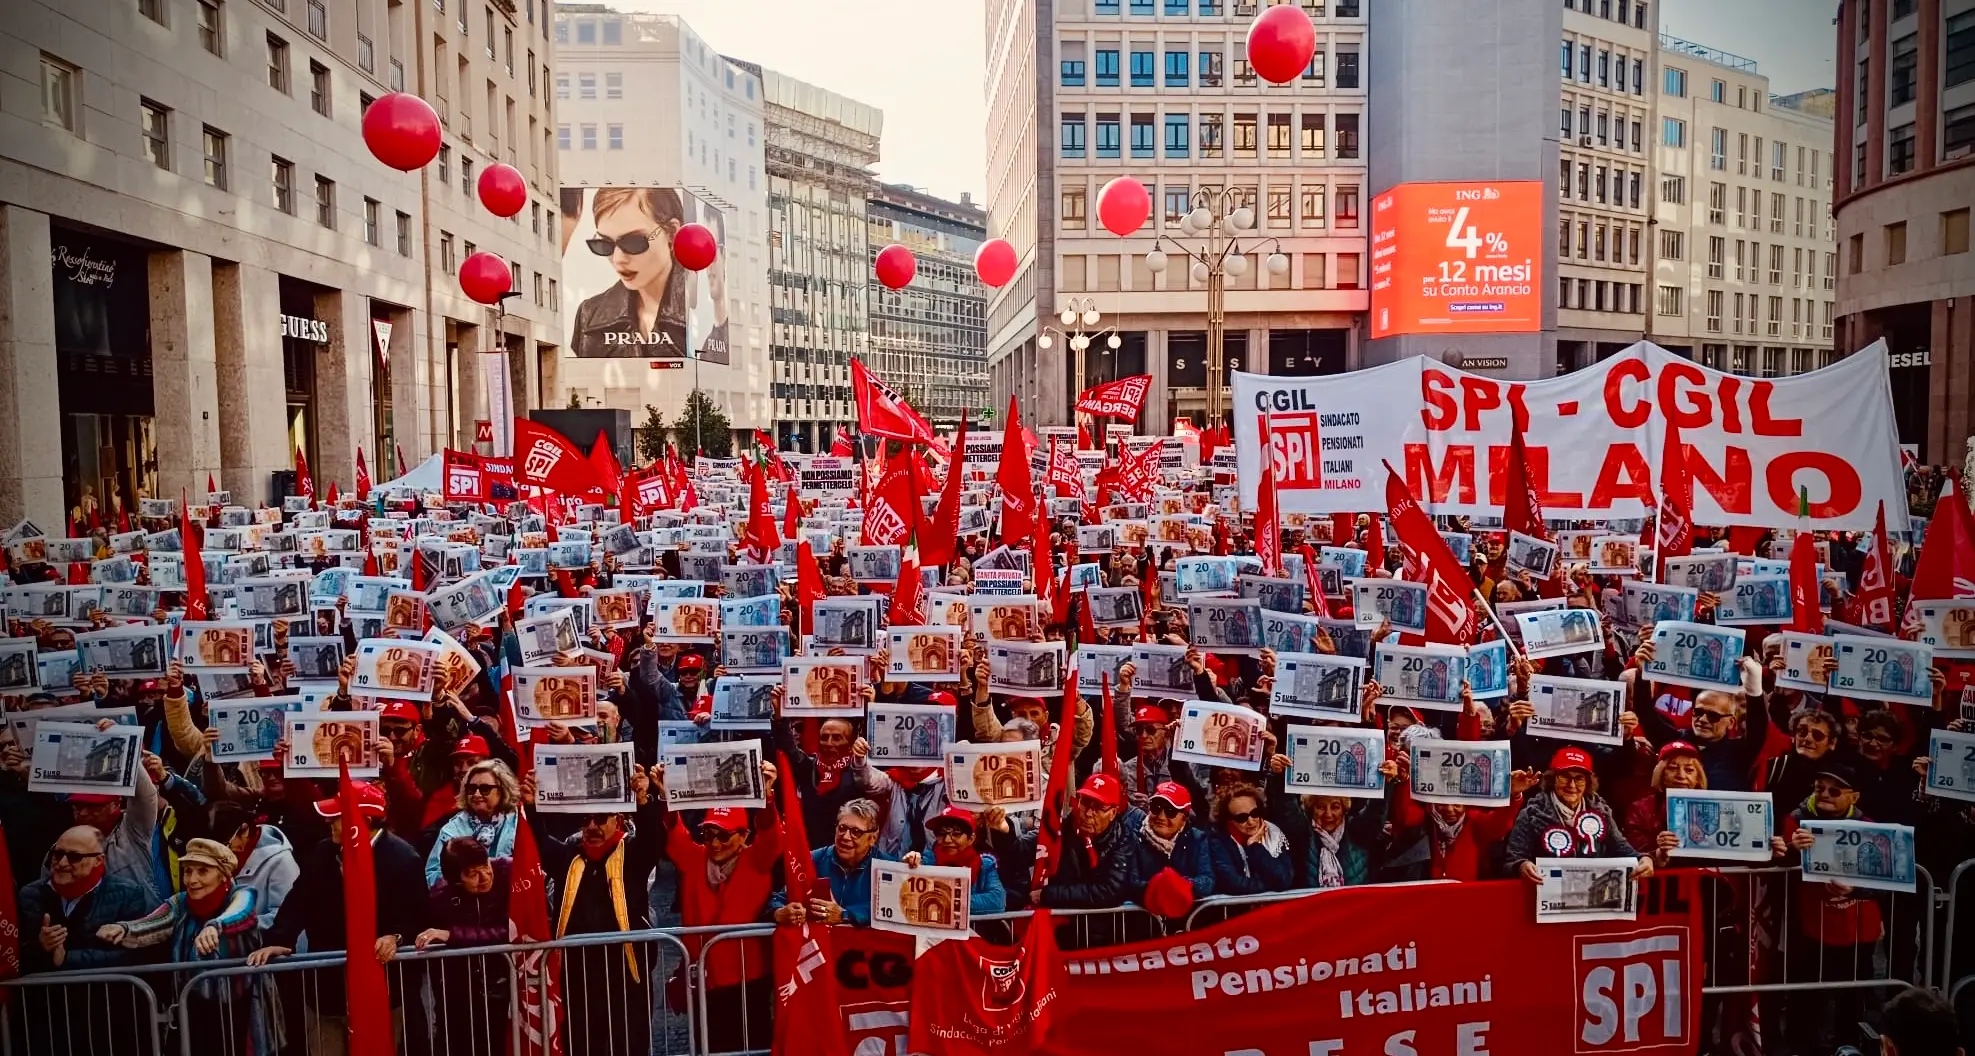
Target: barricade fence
x,y
1778,950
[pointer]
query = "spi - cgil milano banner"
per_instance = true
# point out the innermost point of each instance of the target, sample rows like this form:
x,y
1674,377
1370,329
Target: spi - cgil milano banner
x,y
1595,439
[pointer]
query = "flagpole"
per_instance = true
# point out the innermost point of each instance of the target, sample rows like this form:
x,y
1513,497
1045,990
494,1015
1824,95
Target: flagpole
x,y
1489,610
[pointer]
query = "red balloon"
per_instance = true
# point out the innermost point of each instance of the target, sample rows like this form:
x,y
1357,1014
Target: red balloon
x,y
693,247
502,190
1123,205
995,262
896,265
402,130
485,277
1280,43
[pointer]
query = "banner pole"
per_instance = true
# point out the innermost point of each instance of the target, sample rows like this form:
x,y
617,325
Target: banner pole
x,y
1489,610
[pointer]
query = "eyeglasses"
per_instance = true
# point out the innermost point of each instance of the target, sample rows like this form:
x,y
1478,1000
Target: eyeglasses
x,y
1811,733
1160,809
852,830
632,244
1245,817
950,832
61,857
477,789
711,833
599,820
1711,716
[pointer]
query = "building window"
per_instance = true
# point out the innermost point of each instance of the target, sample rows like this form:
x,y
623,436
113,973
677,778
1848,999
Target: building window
x,y
1954,232
1072,73
1673,189
213,144
1718,149
1073,208
1347,263
1143,69
1895,243
447,263
371,210
1176,71
212,34
277,63
319,88
325,202
1244,135
1717,203
561,137
1313,76
318,20
404,234
1142,136
1107,67
1210,135
156,131
153,10
1107,135
1313,135
614,136
1347,68
1715,298
466,177
1960,64
1281,206
613,32
1210,68
1717,250
282,174
1073,136
589,137
562,86
1347,135
1672,244
1313,205
1673,132
1179,201
1568,51
1279,135
1347,205
1899,150
1177,7
1177,145
1904,61
587,85
613,86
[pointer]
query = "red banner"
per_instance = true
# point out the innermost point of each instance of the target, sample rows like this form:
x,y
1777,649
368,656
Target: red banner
x,y
1363,970
1119,399
463,478
546,459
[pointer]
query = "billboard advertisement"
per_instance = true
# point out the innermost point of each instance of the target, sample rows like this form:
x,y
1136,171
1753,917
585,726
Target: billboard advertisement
x,y
623,294
1458,258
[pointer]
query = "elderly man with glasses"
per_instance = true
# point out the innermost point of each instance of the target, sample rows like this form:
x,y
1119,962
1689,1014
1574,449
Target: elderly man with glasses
x,y
1726,729
845,866
60,918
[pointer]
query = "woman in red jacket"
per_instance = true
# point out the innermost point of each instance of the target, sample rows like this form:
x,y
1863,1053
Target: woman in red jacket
x,y
1460,838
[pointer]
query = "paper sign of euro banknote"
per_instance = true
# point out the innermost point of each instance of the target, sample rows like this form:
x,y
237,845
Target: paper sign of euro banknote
x,y
1883,669
1007,774
1473,773
1216,734
1951,765
929,901
1317,685
1570,889
1860,854
1697,655
1560,632
1424,676
1335,761
1758,599
1948,626
1403,604
1798,648
1727,825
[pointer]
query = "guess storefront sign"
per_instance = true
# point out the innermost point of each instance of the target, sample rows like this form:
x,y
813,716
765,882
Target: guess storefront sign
x,y
303,328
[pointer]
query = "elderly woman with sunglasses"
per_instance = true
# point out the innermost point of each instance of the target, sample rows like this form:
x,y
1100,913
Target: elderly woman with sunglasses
x,y
1251,854
1167,848
488,800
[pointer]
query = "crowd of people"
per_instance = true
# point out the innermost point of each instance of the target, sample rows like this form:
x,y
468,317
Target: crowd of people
x,y
217,862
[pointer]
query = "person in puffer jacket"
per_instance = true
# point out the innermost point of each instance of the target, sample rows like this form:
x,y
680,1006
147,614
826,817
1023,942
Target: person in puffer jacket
x,y
1167,843
268,858
469,908
1566,818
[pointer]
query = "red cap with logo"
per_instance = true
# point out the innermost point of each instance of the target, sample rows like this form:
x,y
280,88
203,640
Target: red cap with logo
x,y
1673,748
400,710
692,662
942,698
1150,714
1571,758
1103,788
952,815
472,744
370,801
726,819
1174,794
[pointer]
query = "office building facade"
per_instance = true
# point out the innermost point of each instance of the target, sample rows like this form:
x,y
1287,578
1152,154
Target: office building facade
x,y
1083,91
205,270
929,339
1905,174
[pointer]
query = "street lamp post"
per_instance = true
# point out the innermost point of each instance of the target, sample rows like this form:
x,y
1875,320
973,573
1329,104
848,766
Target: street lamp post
x,y
1217,223
1080,319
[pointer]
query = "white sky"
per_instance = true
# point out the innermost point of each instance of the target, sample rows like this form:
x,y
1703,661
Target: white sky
x,y
920,61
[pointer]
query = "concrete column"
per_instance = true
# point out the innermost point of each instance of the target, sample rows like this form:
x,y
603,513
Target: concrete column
x,y
1847,78
185,377
1927,86
469,389
1880,51
252,386
413,371
30,411
344,410
1951,411
1155,420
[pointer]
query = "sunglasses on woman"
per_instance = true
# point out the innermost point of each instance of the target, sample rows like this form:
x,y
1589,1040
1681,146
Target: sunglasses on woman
x,y
632,244
1245,817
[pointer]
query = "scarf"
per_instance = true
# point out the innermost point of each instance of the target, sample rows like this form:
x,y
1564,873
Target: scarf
x,y
1567,814
1330,869
970,858
207,908
609,846
830,770
75,889
1159,843
718,873
613,870
1445,833
907,777
1271,840
1809,809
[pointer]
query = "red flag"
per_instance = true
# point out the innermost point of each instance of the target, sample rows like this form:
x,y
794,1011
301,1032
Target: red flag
x,y
973,998
808,1019
1313,582
546,459
195,565
1041,554
210,486
1343,528
1120,399
1268,530
938,547
1742,538
1136,473
417,570
1875,580
1065,476
10,920
528,921
368,995
304,483
1083,438
1375,538
1805,615
1674,528
905,596
123,515
1018,501
791,515
1056,794
881,411
604,462
893,508
1946,568
331,500
1450,614
400,448
760,536
840,445
1521,512
809,582
1109,730
363,478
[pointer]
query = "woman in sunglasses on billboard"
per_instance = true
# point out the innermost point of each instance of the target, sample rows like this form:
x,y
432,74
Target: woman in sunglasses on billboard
x,y
643,316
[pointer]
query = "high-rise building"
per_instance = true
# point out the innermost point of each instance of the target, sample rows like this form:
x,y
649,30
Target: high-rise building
x,y
1083,91
648,106
1905,175
820,149
204,270
1604,195
929,339
1742,247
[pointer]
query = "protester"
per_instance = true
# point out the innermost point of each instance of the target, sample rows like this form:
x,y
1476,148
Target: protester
x,y
487,813
953,845
843,868
1568,819
1250,853
1838,927
468,907
1169,849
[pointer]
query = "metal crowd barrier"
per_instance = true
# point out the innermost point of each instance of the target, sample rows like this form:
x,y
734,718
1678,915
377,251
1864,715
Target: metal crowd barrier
x,y
1957,973
708,991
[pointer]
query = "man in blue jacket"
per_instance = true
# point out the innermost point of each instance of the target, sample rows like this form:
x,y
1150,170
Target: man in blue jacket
x,y
59,919
1166,842
845,864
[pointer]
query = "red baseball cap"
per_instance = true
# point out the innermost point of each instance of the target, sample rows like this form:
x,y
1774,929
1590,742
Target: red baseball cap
x,y
726,819
1673,748
1150,713
1103,788
952,814
92,799
401,710
472,744
692,662
1037,701
370,801
1571,758
1175,795
943,699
